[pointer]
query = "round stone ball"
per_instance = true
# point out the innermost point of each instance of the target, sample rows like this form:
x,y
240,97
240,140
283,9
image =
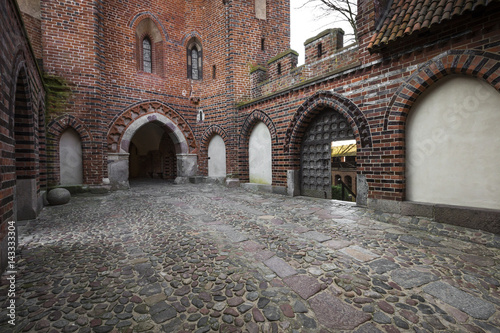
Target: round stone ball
x,y
58,196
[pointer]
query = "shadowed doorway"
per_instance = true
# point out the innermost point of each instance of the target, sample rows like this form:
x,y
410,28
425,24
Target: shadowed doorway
x,y
152,153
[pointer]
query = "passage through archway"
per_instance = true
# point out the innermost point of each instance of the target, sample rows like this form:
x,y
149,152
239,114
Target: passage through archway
x,y
123,130
316,160
152,153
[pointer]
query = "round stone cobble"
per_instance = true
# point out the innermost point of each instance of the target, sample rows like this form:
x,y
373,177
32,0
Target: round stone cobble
x,y
58,196
195,258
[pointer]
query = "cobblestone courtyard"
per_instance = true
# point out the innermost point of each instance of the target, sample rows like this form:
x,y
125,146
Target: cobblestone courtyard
x,y
201,258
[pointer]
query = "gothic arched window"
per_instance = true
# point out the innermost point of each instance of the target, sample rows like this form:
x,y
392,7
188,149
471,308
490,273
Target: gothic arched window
x,y
147,59
194,61
150,47
194,64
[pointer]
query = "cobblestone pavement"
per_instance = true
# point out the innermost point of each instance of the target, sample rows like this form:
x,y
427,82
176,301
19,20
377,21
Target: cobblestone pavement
x,y
202,258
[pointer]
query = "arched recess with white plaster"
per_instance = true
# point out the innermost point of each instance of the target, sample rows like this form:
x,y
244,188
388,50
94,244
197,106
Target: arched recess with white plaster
x,y
70,158
216,157
453,146
260,155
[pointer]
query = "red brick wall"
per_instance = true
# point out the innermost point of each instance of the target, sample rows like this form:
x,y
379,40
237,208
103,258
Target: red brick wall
x,y
334,58
376,93
99,63
93,48
72,51
34,29
236,45
21,116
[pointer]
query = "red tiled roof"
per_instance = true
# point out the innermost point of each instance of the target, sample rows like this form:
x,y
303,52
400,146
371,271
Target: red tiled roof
x,y
405,17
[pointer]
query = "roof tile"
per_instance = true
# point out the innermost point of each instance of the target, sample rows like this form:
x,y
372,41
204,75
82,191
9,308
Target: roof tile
x,y
405,17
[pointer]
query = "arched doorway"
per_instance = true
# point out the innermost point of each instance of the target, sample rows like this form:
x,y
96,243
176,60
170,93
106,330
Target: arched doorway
x,y
70,158
26,158
216,157
122,132
316,160
453,146
260,155
152,153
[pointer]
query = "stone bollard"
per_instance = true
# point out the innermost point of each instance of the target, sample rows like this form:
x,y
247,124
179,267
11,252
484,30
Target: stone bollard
x,y
58,196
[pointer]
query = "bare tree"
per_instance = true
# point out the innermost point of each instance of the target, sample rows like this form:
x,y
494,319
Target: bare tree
x,y
342,11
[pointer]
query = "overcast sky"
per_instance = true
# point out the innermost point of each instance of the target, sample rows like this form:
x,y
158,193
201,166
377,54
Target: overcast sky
x,y
306,22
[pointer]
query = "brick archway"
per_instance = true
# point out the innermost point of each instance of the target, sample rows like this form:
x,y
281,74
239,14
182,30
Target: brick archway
x,y
138,17
24,146
206,138
210,132
54,131
128,122
313,106
478,64
255,117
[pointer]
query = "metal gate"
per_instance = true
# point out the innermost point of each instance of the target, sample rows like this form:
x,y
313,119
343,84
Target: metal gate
x,y
315,157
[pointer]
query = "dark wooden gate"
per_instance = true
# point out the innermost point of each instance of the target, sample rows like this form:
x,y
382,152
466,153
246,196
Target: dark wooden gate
x,y
315,157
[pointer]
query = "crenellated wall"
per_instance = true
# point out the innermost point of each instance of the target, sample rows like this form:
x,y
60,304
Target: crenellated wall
x,y
324,55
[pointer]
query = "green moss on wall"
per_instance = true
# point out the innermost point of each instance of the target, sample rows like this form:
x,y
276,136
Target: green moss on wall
x,y
254,68
282,55
58,95
257,180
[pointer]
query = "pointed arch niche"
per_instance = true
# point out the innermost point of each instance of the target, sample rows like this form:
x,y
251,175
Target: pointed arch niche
x,y
25,150
70,158
216,157
260,155
453,146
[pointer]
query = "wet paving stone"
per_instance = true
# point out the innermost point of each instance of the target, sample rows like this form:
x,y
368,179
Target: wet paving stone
x,y
469,304
199,258
305,286
410,278
280,267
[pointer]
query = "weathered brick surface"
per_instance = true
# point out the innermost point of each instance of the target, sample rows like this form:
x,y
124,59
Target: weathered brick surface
x,y
94,48
375,93
34,29
21,117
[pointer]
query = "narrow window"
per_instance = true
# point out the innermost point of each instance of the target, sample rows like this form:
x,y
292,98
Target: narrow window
x,y
279,68
262,44
201,116
320,50
194,61
149,48
146,55
194,64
